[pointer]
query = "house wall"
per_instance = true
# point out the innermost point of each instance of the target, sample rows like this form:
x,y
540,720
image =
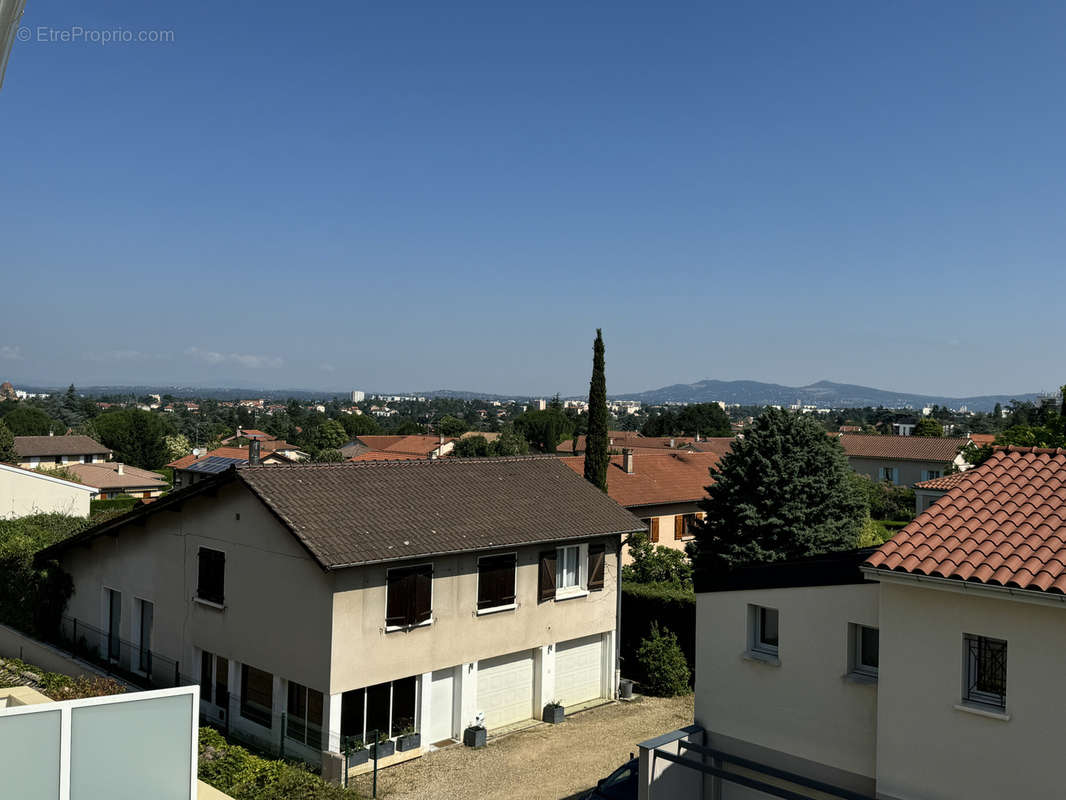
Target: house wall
x,y
928,748
665,513
277,613
910,472
363,654
49,462
23,493
802,714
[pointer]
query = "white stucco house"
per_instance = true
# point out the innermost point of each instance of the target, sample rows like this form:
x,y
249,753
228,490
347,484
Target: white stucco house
x,y
927,669
25,492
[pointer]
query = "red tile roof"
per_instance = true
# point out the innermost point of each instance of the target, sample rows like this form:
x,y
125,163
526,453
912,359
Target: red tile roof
x,y
385,455
943,483
901,448
657,477
1004,524
412,445
982,439
616,440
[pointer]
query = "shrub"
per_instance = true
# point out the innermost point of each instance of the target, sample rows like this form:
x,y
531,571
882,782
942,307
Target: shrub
x,y
656,564
243,776
57,686
116,504
663,664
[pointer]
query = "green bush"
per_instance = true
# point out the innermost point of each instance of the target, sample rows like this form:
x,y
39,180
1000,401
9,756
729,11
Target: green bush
x,y
663,664
243,776
656,564
56,685
115,504
647,605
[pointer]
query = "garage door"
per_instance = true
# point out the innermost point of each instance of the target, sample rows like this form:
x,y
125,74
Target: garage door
x,y
579,670
505,688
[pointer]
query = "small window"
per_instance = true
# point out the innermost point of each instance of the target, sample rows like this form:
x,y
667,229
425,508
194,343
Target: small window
x,y
888,474
257,695
409,596
865,645
764,630
303,722
496,581
59,459
568,560
986,672
211,576
929,474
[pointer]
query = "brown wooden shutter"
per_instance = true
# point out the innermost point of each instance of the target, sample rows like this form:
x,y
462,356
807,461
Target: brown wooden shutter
x,y
505,583
423,594
398,592
596,559
655,529
496,581
679,527
546,587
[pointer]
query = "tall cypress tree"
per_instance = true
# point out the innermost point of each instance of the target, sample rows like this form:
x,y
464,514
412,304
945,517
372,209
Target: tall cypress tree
x,y
596,458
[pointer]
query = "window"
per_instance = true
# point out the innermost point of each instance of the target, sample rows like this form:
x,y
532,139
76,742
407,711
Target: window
x,y
409,596
929,474
763,633
496,581
214,679
303,722
864,647
211,577
684,526
986,672
568,560
889,474
388,708
59,459
144,645
654,529
597,556
114,624
257,695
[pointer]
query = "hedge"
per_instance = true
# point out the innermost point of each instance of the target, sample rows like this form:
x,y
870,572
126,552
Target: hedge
x,y
118,504
645,604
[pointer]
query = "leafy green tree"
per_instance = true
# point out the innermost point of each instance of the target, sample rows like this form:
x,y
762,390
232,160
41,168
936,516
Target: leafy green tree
x,y
596,457
705,419
472,447
136,437
783,491
544,429
656,564
328,456
450,426
359,425
509,443
662,664
329,435
929,427
409,428
885,501
26,420
7,445
176,446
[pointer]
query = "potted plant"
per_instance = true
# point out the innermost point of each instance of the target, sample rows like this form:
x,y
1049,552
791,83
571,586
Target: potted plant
x,y
384,747
408,740
475,736
357,753
554,712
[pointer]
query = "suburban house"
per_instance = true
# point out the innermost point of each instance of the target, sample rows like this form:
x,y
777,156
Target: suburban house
x,y
24,493
56,451
397,447
198,466
903,460
318,603
662,489
111,479
926,668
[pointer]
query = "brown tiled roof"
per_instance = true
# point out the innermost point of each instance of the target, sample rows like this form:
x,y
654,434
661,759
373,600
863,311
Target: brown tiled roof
x,y
718,444
1004,524
348,514
616,440
943,483
982,439
385,455
30,446
901,448
414,445
223,452
657,477
105,476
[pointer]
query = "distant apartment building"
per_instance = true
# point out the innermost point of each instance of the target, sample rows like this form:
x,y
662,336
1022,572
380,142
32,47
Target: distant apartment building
x,y
357,396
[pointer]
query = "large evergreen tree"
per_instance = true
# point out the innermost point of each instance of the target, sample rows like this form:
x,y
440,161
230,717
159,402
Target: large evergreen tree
x,y
596,458
783,491
7,445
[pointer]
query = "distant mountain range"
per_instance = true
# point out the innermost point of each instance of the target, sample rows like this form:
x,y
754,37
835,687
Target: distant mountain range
x,y
823,394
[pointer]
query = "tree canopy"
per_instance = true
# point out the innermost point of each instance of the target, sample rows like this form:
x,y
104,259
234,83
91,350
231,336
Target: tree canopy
x,y
544,429
25,420
783,491
705,419
136,437
927,426
596,457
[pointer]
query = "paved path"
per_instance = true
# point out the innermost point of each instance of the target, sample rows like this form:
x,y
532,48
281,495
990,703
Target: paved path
x,y
547,761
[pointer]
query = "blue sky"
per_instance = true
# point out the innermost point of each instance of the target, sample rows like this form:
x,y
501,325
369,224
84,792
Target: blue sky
x,y
408,196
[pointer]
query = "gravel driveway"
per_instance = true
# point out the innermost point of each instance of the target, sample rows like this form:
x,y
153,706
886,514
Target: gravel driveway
x,y
547,761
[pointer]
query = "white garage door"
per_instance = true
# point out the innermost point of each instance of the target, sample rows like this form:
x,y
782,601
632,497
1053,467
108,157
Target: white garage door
x,y
505,688
579,670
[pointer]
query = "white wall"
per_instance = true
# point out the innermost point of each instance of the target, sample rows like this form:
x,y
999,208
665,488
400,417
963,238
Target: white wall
x,y
24,493
804,707
926,747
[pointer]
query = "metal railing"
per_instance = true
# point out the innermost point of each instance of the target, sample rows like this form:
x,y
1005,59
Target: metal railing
x,y
130,661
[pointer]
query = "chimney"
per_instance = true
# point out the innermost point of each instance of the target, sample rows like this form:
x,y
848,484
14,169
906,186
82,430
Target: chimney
x,y
673,443
627,460
253,452
119,469
50,432
441,440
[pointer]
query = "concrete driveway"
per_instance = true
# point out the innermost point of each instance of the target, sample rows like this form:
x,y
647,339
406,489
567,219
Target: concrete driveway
x,y
545,761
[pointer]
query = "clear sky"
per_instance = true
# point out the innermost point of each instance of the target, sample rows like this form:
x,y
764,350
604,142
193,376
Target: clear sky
x,y
415,195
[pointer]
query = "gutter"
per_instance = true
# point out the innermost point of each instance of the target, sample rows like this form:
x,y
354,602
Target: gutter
x,y
986,590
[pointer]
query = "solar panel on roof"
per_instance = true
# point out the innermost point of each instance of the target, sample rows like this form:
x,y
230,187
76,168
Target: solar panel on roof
x,y
215,464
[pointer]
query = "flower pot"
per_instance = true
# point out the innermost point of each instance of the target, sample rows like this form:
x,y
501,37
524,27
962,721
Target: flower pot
x,y
411,741
475,737
383,749
357,758
554,714
625,689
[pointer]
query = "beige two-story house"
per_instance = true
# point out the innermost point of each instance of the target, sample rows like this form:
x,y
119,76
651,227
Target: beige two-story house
x,y
50,452
317,603
903,460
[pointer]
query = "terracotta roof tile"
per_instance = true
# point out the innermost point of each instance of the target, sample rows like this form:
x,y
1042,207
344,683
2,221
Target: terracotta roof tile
x,y
901,448
657,477
1002,523
943,483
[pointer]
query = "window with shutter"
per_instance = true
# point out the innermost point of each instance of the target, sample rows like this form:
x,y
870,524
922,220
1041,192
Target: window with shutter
x,y
655,529
409,596
679,527
546,582
597,554
211,576
496,581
